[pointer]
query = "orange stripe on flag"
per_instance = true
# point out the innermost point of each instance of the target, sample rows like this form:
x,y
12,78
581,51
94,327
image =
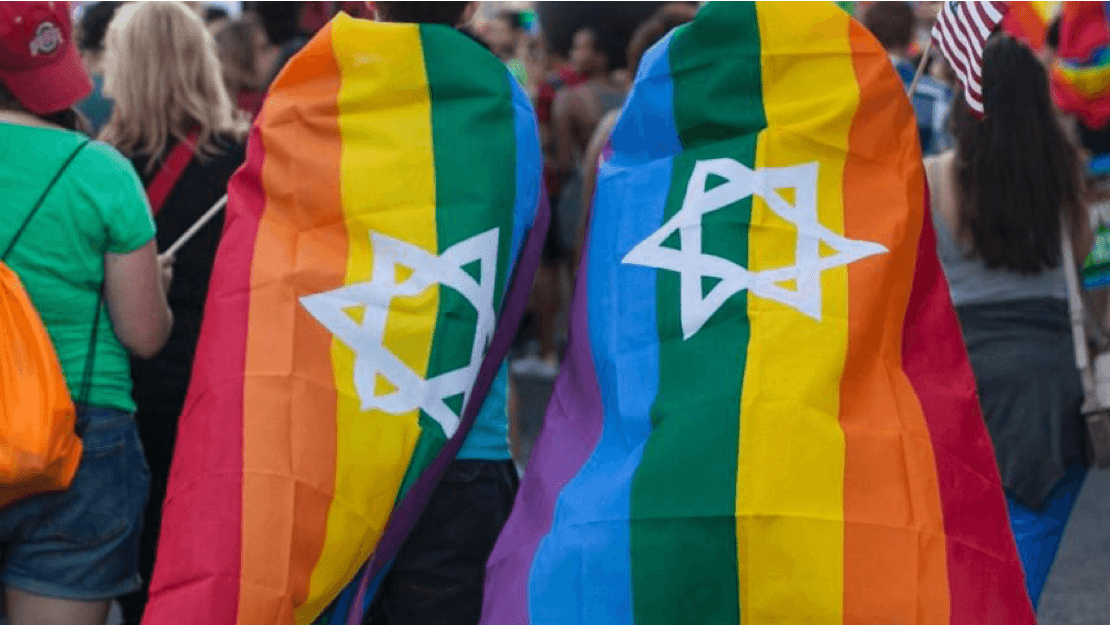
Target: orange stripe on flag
x,y
289,458
894,545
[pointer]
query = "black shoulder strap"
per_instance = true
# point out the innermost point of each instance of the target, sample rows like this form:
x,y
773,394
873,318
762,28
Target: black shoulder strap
x,y
42,199
86,377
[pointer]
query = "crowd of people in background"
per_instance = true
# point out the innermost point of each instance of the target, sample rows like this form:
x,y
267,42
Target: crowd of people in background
x,y
169,90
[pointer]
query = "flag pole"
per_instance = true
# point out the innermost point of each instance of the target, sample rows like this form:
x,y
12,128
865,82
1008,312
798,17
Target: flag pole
x,y
920,69
193,229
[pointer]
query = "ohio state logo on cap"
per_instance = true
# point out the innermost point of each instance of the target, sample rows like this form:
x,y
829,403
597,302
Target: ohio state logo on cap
x,y
47,39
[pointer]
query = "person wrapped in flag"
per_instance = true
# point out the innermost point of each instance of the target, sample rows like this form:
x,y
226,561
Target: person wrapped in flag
x,y
766,413
379,248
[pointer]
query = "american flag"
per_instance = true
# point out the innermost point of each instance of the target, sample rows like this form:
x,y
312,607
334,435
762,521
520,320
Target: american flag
x,y
961,31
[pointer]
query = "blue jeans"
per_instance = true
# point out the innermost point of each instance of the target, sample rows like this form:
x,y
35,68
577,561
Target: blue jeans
x,y
1038,534
83,543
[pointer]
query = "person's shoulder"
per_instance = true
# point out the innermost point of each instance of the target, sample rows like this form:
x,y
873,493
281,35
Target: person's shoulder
x,y
99,158
108,184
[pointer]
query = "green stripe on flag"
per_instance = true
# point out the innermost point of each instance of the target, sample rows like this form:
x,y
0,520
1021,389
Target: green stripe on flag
x,y
474,150
683,530
474,137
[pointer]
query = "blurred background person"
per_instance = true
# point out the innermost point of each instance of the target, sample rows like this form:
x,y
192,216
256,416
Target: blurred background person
x,y
999,202
175,121
575,114
508,38
283,36
289,26
281,21
894,24
557,74
925,15
241,44
96,108
78,233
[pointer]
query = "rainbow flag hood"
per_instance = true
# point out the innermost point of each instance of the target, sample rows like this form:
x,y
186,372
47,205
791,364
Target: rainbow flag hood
x,y
392,182
766,414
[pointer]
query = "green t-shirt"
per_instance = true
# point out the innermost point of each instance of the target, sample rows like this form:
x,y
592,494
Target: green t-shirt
x,y
97,206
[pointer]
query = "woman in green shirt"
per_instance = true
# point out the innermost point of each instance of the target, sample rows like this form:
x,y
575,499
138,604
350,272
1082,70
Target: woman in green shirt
x,y
67,555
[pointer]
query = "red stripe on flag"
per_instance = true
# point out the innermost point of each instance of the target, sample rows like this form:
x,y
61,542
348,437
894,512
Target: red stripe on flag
x,y
954,55
972,40
979,19
986,583
967,49
196,577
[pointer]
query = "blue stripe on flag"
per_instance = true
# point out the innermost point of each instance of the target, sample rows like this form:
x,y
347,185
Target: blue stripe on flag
x,y
528,163
590,531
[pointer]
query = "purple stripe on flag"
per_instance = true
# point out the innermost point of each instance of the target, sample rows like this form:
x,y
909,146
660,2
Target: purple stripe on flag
x,y
565,444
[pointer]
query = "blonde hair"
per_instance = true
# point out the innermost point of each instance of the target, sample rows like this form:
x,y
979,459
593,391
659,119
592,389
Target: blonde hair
x,y
162,70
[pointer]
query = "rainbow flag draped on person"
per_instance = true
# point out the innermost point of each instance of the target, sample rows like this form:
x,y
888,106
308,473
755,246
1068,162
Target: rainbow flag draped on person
x,y
766,413
372,235
1081,73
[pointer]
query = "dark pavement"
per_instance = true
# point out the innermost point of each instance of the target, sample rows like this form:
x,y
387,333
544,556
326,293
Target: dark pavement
x,y
1078,591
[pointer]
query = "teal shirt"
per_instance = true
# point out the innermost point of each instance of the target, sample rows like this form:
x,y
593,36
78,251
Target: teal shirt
x,y
96,108
489,438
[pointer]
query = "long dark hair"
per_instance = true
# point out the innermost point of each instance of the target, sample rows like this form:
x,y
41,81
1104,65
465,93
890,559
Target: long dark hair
x,y
1016,170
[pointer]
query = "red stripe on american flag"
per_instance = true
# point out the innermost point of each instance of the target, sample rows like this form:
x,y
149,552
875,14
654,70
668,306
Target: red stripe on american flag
x,y
952,51
961,32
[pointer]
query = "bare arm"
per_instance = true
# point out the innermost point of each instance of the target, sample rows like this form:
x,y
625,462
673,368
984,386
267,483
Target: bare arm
x,y
135,293
562,121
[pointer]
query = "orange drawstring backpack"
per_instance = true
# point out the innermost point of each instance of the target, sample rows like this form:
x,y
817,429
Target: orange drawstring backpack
x,y
39,447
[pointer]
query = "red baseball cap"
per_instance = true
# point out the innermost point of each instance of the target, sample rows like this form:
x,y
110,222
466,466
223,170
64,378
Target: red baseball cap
x,y
39,63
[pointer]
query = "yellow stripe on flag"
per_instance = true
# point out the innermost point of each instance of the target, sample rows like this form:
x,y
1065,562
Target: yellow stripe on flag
x,y
388,187
1047,10
789,505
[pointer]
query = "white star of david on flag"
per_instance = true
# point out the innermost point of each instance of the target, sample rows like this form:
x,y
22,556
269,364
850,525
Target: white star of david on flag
x,y
740,182
373,299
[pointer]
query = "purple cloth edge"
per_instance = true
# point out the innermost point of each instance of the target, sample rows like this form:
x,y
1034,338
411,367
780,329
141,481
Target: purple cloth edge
x,y
576,408
407,512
